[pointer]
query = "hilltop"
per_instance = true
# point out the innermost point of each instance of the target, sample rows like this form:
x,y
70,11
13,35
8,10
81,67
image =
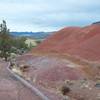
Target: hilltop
x,y
77,41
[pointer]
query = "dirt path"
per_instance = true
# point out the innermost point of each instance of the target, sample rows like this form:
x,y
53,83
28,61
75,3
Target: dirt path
x,y
11,88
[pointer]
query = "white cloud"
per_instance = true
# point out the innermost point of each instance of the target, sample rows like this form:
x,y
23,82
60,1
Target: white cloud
x,y
39,15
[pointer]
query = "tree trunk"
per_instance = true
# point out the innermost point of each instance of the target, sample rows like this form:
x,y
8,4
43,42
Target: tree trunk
x,y
6,58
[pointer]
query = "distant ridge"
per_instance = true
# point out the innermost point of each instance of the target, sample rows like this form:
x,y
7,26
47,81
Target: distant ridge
x,y
96,22
36,35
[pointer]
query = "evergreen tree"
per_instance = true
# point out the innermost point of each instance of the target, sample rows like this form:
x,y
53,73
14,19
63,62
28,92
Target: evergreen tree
x,y
5,41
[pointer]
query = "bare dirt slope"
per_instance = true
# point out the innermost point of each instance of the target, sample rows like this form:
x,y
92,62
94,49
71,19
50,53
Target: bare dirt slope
x,y
51,72
77,41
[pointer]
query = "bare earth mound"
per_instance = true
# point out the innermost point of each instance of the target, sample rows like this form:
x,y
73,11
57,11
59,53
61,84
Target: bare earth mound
x,y
83,42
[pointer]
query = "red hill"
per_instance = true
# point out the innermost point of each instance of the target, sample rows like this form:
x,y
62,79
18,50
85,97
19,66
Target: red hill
x,y
78,41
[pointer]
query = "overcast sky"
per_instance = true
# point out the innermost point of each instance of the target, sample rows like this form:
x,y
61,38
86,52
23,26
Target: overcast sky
x,y
48,15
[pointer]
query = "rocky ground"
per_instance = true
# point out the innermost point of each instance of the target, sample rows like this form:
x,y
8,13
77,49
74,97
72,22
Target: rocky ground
x,y
51,73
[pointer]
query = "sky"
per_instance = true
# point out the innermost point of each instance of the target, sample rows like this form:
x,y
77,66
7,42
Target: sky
x,y
48,15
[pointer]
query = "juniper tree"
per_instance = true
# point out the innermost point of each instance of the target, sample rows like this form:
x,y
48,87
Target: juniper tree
x,y
5,41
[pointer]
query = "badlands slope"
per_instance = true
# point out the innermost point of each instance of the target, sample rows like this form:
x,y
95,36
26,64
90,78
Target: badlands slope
x,y
77,44
77,41
71,54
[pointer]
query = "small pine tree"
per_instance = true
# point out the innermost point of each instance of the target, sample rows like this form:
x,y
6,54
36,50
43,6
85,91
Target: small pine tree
x,y
5,41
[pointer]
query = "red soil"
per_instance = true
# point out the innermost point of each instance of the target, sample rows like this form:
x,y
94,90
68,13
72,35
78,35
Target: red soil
x,y
59,73
83,42
52,69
